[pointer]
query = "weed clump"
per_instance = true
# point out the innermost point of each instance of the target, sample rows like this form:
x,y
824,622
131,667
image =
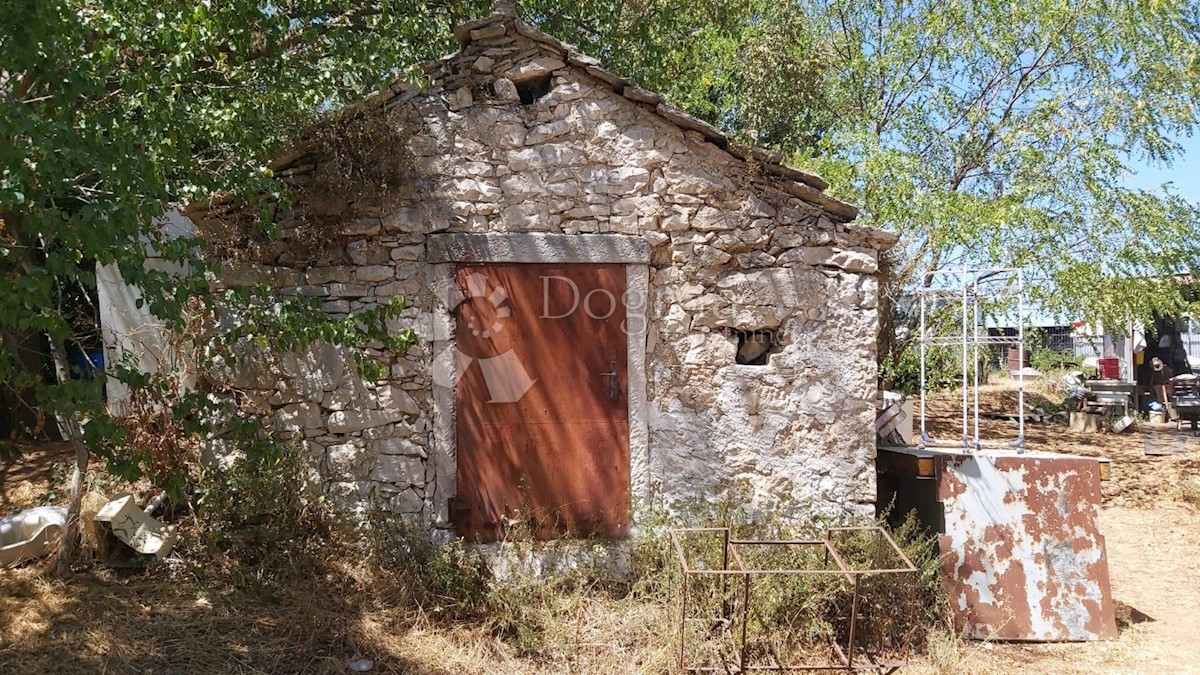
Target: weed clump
x,y
556,601
252,515
791,616
1189,491
445,582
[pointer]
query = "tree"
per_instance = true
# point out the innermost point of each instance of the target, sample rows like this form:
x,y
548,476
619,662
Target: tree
x,y
994,133
983,132
113,111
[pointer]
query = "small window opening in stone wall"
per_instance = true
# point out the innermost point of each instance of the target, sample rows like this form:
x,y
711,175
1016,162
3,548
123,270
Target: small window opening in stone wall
x,y
530,90
754,347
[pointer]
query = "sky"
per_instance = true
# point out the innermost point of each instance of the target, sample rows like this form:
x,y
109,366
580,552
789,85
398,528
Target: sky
x,y
1185,174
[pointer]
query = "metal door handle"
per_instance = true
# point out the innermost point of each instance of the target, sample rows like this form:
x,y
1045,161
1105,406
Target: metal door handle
x,y
614,390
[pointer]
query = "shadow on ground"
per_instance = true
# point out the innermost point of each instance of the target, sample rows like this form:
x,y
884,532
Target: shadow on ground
x,y
188,620
27,472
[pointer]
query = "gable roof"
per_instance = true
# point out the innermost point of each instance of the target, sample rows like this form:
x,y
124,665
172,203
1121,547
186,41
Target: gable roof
x,y
804,185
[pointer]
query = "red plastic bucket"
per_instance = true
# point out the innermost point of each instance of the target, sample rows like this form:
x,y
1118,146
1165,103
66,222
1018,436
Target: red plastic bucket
x,y
1110,369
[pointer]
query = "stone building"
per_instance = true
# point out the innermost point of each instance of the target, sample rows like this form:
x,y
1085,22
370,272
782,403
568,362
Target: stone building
x,y
617,306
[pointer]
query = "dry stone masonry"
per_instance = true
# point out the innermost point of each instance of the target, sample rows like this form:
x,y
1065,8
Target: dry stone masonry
x,y
520,133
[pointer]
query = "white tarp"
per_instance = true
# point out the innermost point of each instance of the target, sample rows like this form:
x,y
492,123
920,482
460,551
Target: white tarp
x,y
130,332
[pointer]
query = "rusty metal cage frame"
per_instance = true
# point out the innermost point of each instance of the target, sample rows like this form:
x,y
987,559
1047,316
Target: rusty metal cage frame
x,y
733,624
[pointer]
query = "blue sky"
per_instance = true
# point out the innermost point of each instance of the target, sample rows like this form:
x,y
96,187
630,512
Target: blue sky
x,y
1184,174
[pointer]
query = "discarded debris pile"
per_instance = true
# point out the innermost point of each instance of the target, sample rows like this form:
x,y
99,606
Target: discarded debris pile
x,y
30,534
121,533
128,536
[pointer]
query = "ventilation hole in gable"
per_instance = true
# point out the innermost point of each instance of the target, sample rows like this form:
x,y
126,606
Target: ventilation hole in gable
x,y
532,89
754,347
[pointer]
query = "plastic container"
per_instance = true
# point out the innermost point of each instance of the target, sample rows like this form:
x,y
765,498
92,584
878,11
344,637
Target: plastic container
x,y
30,534
1110,369
84,365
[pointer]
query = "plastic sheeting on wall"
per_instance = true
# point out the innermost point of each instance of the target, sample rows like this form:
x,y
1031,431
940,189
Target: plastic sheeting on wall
x,y
133,334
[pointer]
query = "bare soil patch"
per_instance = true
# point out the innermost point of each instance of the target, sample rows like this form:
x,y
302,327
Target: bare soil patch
x,y
1136,478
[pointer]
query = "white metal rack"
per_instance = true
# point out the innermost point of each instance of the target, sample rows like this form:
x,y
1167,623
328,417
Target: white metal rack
x,y
1006,287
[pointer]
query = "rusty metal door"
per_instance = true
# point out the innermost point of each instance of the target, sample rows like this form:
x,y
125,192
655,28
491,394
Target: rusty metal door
x,y
542,410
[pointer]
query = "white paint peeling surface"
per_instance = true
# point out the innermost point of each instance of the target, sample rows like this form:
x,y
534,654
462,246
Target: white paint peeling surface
x,y
1024,558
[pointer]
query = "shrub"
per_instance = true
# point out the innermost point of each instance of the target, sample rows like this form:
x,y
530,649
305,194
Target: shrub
x,y
1045,359
445,581
253,512
943,369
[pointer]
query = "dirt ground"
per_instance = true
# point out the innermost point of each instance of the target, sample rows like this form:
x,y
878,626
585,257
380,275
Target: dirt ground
x,y
1136,479
180,618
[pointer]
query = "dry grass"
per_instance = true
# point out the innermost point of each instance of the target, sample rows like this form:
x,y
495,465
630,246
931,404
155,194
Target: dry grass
x,y
212,615
182,618
947,654
173,619
308,609
1189,491
31,475
312,609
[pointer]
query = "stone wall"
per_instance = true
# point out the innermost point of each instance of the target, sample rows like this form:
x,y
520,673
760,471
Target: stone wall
x,y
737,244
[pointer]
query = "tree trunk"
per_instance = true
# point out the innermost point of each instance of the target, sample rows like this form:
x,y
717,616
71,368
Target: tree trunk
x,y
889,291
70,427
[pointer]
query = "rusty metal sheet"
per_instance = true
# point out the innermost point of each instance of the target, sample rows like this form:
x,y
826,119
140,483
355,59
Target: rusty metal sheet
x,y
542,416
1023,557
